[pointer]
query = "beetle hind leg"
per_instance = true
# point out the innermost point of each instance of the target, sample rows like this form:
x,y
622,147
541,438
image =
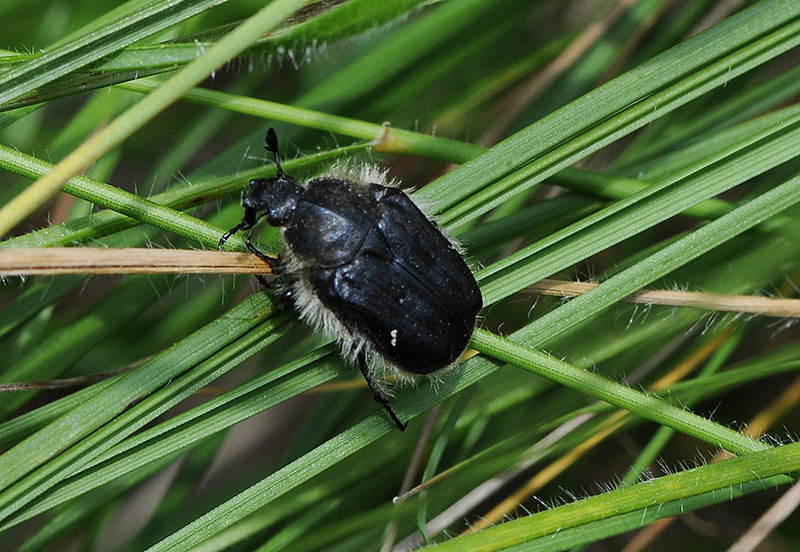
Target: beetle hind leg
x,y
377,394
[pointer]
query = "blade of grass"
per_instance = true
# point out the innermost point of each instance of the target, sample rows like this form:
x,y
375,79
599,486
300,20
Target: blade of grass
x,y
671,79
130,209
130,22
721,478
721,171
383,138
61,443
591,384
65,346
135,61
135,117
187,429
665,261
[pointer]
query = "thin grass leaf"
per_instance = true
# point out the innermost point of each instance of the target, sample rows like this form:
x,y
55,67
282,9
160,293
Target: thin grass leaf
x,y
671,119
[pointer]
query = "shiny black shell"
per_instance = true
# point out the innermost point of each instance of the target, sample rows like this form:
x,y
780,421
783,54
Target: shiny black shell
x,y
378,264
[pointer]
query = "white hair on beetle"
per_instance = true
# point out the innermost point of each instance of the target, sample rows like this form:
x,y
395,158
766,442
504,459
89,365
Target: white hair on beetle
x,y
361,174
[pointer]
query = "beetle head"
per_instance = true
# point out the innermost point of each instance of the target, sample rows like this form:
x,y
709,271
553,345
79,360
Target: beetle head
x,y
276,198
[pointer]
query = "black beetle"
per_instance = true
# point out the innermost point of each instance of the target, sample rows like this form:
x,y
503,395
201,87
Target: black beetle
x,y
363,264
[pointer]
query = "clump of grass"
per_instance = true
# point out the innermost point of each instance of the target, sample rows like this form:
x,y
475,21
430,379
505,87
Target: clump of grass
x,y
646,145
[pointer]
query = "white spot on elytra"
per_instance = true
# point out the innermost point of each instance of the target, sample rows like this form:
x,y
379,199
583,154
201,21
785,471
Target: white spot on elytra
x,y
393,333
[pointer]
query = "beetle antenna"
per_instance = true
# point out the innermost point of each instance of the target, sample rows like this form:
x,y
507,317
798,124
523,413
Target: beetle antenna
x,y
271,144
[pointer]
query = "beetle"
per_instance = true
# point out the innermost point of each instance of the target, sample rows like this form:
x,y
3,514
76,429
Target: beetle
x,y
364,264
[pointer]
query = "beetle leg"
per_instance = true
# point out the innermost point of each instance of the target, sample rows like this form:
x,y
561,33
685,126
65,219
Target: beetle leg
x,y
271,262
267,259
226,236
379,397
248,222
250,219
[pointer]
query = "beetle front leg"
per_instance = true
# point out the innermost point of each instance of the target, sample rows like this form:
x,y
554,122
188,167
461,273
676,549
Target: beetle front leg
x,y
249,220
227,235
